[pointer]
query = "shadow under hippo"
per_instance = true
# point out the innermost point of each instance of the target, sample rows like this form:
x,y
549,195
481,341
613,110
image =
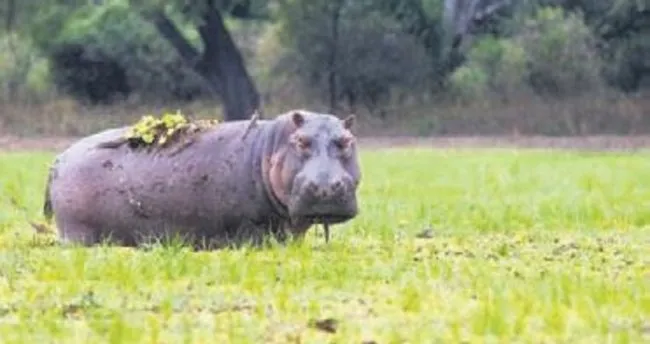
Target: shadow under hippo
x,y
237,182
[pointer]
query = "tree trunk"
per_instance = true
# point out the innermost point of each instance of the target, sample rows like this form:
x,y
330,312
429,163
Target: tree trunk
x,y
223,64
462,16
10,15
333,62
220,65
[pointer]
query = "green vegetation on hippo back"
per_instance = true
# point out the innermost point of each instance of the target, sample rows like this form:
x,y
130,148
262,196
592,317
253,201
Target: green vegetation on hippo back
x,y
163,131
240,181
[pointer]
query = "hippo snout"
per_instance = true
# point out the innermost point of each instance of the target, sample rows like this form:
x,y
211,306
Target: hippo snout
x,y
331,200
333,188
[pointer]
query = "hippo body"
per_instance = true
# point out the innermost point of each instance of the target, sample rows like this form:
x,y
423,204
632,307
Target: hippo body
x,y
236,182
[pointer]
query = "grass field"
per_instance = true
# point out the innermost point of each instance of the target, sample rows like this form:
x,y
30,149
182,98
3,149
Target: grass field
x,y
521,246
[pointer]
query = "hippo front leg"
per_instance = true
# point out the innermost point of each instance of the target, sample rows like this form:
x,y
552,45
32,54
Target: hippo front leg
x,y
297,229
281,231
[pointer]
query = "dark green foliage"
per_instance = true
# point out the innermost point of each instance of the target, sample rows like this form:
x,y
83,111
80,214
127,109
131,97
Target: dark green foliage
x,y
99,52
346,51
92,77
622,29
339,52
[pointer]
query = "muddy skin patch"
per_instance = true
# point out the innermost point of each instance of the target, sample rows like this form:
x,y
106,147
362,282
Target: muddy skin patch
x,y
164,131
107,164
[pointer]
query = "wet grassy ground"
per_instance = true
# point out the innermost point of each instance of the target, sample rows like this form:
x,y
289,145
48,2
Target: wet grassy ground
x,y
457,245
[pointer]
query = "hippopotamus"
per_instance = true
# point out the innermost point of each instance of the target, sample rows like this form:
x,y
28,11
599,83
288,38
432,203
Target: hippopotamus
x,y
239,181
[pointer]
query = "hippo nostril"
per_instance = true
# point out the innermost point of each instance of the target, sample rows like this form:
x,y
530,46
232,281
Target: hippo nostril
x,y
315,190
322,193
312,187
337,185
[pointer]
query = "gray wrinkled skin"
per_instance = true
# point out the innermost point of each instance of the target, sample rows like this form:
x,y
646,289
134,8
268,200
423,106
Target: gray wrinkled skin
x,y
226,188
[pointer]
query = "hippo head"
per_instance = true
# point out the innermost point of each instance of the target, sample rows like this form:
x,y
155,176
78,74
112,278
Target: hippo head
x,y
315,171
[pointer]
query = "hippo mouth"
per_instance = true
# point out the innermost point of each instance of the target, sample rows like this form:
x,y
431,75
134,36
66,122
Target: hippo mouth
x,y
328,219
323,211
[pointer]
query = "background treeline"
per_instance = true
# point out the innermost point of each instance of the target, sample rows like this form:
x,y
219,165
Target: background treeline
x,y
559,67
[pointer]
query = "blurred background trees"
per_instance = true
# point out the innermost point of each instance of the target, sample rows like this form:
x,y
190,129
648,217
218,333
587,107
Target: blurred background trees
x,y
390,59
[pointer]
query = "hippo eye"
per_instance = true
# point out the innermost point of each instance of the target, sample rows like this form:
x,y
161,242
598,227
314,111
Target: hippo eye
x,y
342,142
303,142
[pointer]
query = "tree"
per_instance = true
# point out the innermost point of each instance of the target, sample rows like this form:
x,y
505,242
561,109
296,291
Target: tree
x,y
348,54
213,57
621,28
16,50
445,26
220,63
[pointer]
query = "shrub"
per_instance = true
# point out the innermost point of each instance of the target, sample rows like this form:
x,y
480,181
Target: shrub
x,y
469,82
552,54
23,71
99,52
562,56
373,57
495,67
628,60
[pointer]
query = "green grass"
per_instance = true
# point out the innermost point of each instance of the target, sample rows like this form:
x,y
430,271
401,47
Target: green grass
x,y
526,247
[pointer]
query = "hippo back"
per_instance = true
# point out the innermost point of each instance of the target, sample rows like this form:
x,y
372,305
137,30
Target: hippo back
x,y
212,184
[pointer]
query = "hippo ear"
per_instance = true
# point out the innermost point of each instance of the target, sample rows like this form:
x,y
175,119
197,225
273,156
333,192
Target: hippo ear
x,y
298,119
349,121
